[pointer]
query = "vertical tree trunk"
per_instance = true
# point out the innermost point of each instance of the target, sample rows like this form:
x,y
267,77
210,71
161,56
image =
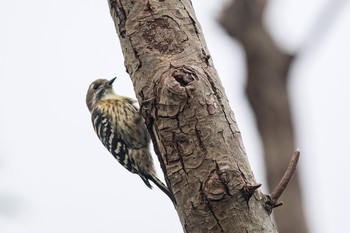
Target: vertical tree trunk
x,y
267,92
188,116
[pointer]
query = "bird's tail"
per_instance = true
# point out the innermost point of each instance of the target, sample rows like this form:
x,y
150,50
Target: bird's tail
x,y
162,187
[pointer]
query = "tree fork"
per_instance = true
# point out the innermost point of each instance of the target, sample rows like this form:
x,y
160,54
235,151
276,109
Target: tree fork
x,y
193,129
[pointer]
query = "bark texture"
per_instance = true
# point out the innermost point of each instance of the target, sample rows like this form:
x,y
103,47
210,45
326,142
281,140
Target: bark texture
x,y
188,116
267,92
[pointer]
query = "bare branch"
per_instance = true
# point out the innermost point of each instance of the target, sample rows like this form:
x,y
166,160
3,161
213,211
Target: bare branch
x,y
287,176
272,201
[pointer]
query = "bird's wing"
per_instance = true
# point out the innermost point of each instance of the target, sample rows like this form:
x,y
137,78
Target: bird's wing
x,y
131,127
111,139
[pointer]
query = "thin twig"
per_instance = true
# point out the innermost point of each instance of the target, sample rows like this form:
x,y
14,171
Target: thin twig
x,y
271,201
282,185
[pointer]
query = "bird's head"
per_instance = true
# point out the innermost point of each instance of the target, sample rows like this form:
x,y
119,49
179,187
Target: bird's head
x,y
98,90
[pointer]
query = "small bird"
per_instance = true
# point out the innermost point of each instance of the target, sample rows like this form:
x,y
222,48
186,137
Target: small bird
x,y
120,127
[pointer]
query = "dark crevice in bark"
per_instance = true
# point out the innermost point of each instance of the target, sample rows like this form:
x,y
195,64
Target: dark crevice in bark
x,y
119,10
222,179
214,215
198,134
180,156
218,96
185,227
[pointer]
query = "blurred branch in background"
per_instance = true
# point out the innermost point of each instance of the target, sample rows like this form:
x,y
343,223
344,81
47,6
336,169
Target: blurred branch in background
x,y
266,88
267,91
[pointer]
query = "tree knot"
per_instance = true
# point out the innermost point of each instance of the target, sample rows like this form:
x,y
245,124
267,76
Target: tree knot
x,y
182,77
222,182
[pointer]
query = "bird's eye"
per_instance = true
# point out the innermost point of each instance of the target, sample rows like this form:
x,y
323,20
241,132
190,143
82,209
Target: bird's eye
x,y
95,86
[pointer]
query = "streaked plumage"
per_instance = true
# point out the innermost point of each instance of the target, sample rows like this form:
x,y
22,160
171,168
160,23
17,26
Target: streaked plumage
x,y
121,129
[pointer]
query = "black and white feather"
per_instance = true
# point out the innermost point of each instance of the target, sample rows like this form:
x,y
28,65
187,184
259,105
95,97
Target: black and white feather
x,y
120,127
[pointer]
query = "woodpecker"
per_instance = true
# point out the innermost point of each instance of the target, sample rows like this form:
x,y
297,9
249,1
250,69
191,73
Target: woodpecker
x,y
120,127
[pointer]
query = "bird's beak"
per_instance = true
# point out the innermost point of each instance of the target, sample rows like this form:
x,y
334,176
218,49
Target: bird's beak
x,y
111,81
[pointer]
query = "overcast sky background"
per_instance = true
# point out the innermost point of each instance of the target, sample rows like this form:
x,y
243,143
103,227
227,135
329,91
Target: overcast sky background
x,y
55,175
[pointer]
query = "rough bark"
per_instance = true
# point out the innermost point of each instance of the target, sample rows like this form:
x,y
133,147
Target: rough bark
x,y
188,116
267,92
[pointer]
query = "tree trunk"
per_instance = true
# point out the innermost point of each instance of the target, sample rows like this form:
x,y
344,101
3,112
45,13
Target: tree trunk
x,y
267,92
186,111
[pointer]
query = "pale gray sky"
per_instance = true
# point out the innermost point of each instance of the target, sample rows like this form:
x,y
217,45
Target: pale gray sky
x,y
55,175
